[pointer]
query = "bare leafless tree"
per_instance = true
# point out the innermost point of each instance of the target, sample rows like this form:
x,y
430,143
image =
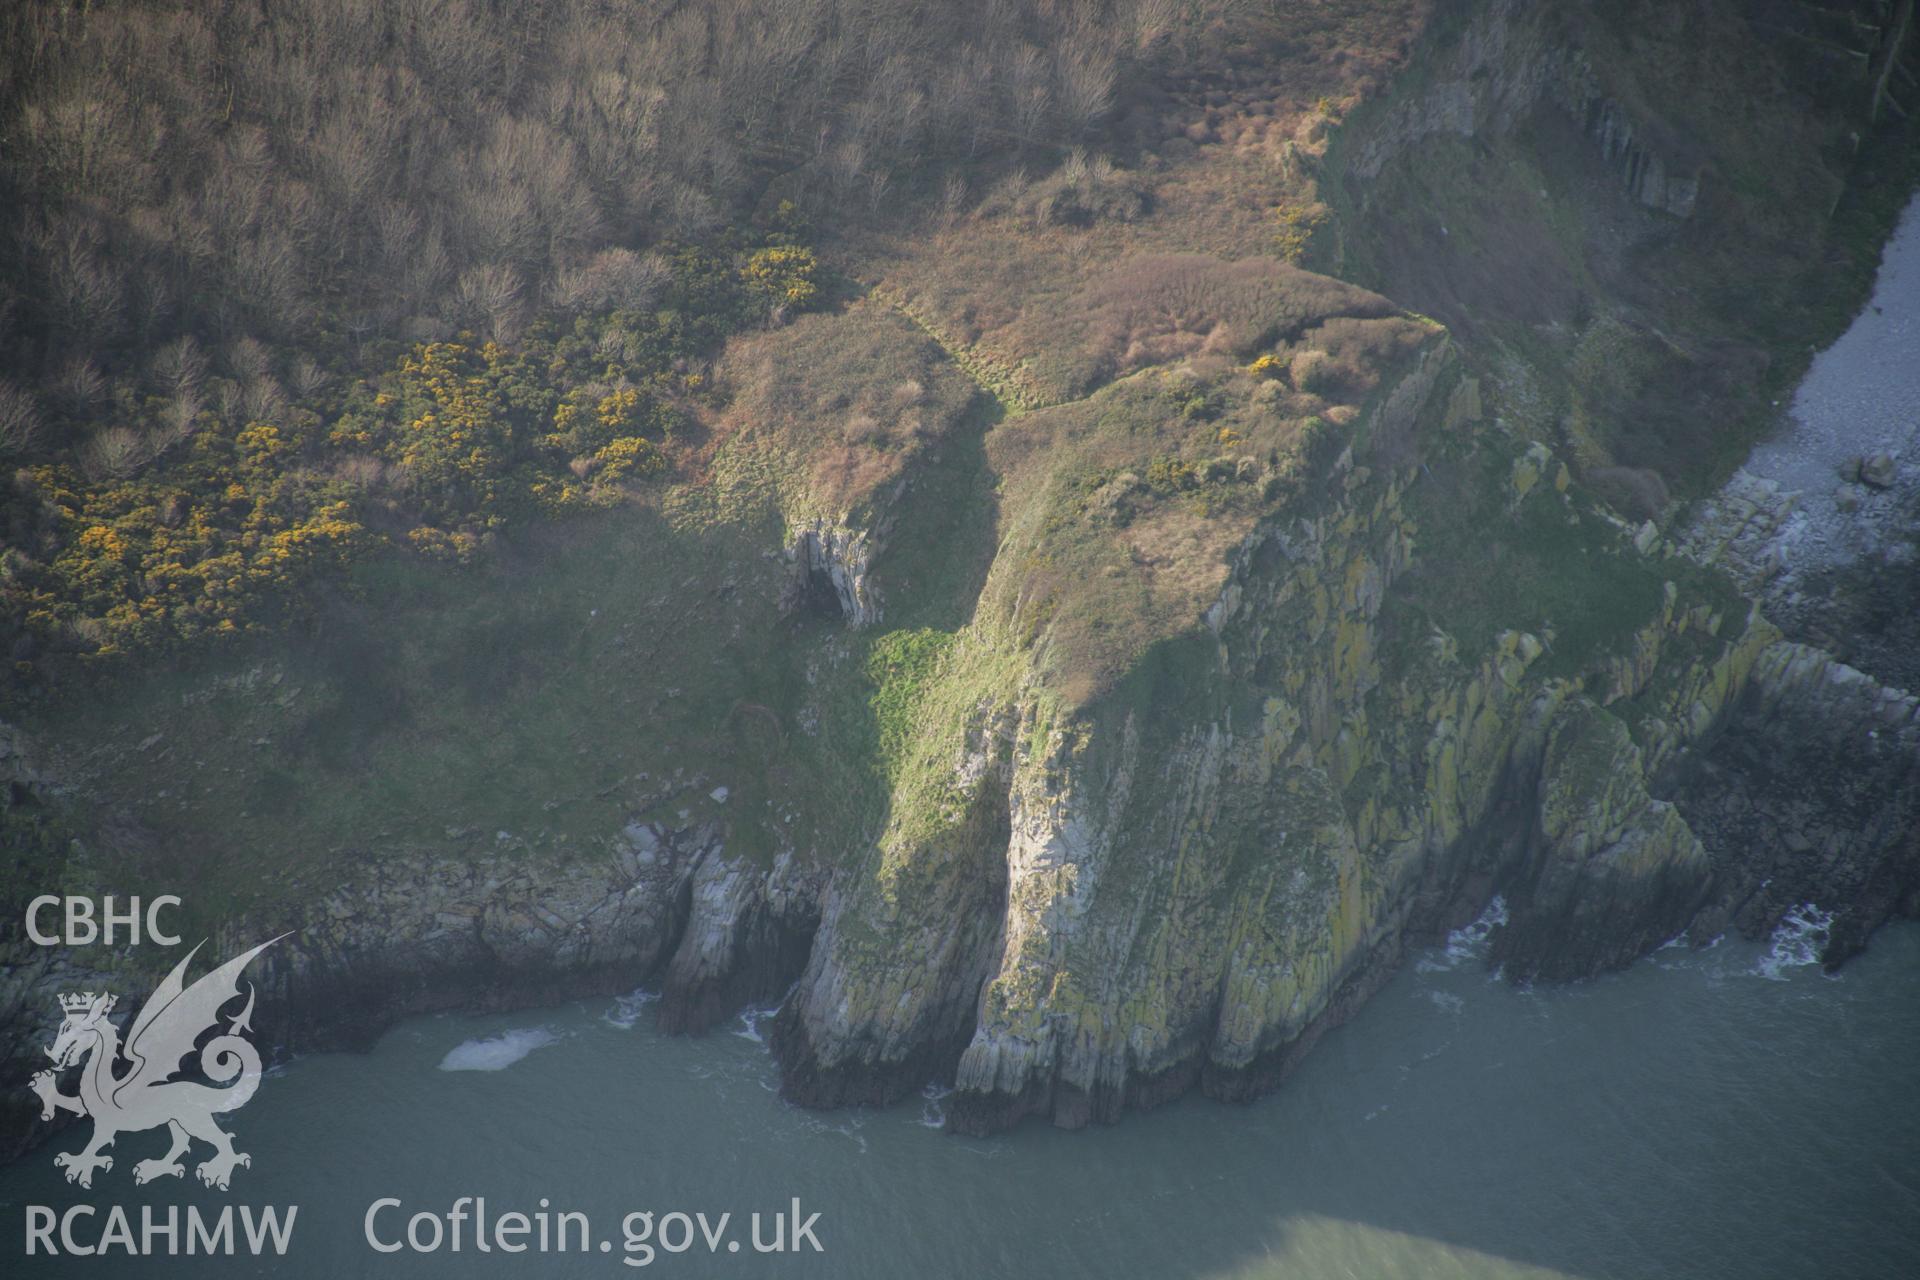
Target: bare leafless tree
x,y
115,453
307,377
180,366
20,420
1084,76
80,389
291,169
613,278
491,294
249,360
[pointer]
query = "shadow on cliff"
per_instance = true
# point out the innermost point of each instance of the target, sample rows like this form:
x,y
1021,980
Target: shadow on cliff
x,y
935,561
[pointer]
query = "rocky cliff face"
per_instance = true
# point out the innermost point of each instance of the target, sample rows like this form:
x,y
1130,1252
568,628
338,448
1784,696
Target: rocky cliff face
x,y
833,558
1636,215
1080,908
1206,869
482,931
1511,57
1217,739
1811,797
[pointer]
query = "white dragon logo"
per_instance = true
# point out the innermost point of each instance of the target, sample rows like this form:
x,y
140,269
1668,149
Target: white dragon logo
x,y
145,1095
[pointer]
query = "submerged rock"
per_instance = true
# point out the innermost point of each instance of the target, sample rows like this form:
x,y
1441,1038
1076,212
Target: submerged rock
x,y
1877,472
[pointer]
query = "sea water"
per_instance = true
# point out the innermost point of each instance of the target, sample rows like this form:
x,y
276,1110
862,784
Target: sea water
x,y
1726,1110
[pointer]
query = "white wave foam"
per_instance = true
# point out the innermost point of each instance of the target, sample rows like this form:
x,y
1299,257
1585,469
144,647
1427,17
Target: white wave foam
x,y
750,1020
1469,942
1797,942
932,1114
627,1009
497,1053
850,1128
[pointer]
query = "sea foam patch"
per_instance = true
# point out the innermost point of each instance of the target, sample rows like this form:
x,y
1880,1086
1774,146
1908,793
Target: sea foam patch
x,y
750,1020
627,1009
497,1053
933,1111
1468,942
1797,941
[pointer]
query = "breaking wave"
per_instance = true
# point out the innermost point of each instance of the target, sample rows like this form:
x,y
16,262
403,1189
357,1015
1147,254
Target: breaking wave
x,y
750,1020
933,1112
627,1009
1798,941
1469,942
497,1053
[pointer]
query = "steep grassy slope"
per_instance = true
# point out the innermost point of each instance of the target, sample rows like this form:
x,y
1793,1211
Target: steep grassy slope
x,y
1083,658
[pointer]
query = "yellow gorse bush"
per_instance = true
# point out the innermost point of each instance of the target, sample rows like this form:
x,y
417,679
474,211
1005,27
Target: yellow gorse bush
x,y
219,525
783,275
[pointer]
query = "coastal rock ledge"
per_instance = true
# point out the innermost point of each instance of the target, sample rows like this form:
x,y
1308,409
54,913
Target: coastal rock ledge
x,y
1133,721
1082,904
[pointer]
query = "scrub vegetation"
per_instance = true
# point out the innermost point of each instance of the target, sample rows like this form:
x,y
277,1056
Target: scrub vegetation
x,y
448,411
287,283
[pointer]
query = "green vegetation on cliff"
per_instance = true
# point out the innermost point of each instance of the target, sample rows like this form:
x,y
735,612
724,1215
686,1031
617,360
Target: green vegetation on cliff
x,y
235,520
1103,638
